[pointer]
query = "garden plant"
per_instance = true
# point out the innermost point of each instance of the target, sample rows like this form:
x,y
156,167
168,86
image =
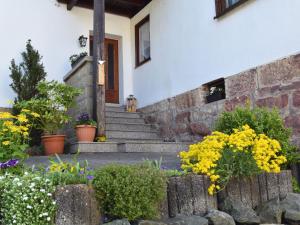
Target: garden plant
x,y
246,142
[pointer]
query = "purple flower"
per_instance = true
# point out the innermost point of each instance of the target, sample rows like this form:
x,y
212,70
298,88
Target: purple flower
x,y
81,172
84,117
90,177
8,164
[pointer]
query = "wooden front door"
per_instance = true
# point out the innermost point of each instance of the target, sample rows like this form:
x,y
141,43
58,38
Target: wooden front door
x,y
111,71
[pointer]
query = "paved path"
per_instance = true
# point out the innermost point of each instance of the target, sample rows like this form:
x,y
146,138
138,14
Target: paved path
x,y
170,160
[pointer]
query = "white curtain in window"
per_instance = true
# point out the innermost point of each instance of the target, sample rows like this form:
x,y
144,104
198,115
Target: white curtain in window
x,y
144,42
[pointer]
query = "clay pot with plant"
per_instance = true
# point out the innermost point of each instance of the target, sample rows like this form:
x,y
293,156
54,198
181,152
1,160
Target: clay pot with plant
x,y
53,101
85,128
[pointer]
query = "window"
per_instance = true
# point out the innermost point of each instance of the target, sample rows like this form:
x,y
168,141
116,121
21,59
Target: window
x,y
215,90
142,41
224,6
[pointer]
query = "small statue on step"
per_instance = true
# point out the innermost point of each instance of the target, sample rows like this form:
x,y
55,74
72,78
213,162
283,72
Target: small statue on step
x,y
131,104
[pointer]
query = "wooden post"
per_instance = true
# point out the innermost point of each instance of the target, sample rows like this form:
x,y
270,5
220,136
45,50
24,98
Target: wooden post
x,y
98,54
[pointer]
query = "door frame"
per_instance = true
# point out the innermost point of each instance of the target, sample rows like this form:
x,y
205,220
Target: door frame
x,y
121,67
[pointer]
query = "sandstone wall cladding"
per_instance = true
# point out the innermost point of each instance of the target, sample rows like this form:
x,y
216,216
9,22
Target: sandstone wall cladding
x,y
187,117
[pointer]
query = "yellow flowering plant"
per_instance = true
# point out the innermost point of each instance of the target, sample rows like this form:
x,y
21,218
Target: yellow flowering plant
x,y
14,134
243,153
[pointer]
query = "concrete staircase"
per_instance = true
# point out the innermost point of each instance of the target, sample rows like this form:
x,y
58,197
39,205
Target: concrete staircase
x,y
127,132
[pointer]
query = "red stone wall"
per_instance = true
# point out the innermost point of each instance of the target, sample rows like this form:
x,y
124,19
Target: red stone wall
x,y
187,117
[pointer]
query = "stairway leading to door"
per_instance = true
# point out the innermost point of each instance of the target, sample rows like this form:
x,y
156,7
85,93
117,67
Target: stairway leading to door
x,y
128,132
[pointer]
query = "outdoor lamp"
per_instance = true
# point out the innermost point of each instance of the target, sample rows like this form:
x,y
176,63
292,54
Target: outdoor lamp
x,y
82,41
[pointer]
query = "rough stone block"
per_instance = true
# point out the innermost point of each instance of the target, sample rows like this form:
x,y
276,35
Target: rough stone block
x,y
231,104
258,189
279,72
199,129
279,101
241,83
77,205
296,98
187,195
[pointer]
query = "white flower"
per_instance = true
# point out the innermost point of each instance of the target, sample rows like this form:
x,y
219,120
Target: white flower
x,y
16,180
29,207
14,221
19,184
43,190
45,214
48,218
42,201
49,194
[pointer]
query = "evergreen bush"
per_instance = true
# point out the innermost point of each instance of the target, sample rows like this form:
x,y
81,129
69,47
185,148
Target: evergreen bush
x,y
130,191
25,78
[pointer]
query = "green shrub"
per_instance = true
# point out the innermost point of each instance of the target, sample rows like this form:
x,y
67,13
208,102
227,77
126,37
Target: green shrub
x,y
26,200
130,191
262,121
296,186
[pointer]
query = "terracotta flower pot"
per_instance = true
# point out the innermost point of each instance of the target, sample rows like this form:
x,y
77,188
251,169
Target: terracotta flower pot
x,y
85,133
53,144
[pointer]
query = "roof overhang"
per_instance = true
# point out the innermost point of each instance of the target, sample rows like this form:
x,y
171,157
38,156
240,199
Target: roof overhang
x,y
128,8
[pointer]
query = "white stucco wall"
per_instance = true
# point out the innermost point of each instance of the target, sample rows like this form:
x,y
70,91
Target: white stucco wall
x,y
54,31
190,48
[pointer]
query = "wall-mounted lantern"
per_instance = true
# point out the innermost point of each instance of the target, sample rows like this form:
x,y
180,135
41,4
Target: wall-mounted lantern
x,y
82,41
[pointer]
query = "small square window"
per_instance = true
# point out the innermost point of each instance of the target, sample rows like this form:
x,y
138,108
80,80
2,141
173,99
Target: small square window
x,y
142,39
215,90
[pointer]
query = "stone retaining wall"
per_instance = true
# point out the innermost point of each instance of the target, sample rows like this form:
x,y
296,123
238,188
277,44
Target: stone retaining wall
x,y
187,117
187,195
2,109
259,189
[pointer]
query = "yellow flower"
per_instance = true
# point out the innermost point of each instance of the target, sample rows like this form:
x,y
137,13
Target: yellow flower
x,y
6,143
204,157
25,110
22,118
36,115
8,123
6,115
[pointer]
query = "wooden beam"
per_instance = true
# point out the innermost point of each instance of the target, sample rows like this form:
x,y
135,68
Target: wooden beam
x,y
71,4
98,55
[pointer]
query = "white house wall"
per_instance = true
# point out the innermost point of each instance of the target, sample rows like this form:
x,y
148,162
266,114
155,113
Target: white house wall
x,y
54,31
189,47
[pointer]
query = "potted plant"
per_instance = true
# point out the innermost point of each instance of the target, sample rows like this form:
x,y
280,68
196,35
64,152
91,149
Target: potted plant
x,y
215,94
75,59
85,128
53,101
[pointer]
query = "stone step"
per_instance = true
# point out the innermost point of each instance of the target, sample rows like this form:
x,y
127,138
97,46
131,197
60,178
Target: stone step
x,y
128,135
124,120
91,147
124,140
129,127
114,107
148,146
122,114
129,147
